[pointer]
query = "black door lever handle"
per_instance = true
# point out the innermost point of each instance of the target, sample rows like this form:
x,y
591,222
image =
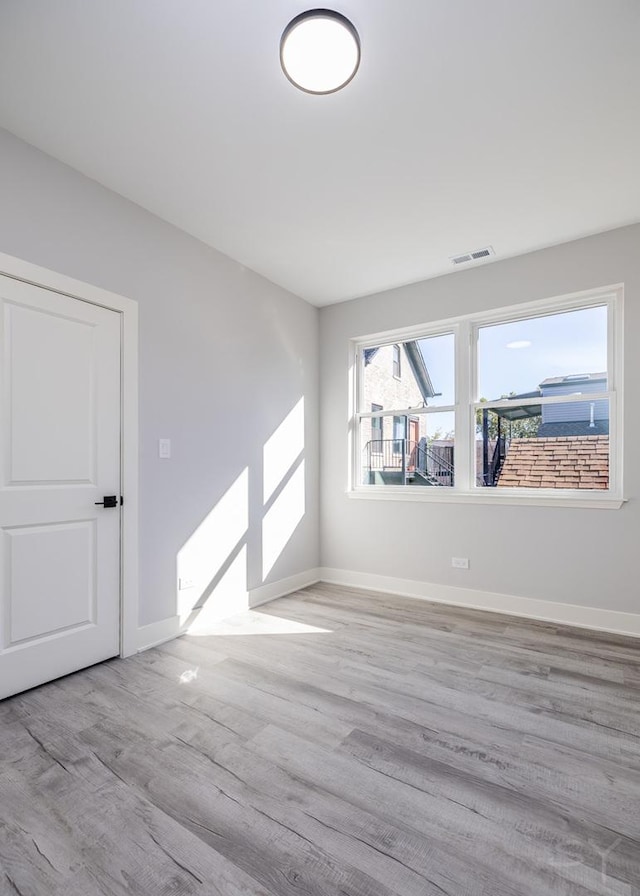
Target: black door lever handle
x,y
109,501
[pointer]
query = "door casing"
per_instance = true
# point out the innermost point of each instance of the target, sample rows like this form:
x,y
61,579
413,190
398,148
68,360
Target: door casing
x,y
18,269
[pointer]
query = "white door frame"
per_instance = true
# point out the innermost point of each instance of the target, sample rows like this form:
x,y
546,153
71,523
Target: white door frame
x,y
18,269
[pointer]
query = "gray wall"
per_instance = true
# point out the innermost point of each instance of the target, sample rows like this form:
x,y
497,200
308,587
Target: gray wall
x,y
581,556
224,356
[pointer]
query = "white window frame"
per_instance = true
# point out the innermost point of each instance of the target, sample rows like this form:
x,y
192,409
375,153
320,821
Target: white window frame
x,y
465,331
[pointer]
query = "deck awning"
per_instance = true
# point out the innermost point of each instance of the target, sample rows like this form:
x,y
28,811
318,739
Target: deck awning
x,y
519,411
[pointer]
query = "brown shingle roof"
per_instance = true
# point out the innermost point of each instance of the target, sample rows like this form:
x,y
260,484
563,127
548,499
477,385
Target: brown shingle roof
x,y
563,462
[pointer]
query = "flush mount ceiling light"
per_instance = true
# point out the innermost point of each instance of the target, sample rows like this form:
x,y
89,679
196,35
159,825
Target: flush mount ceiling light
x,y
320,51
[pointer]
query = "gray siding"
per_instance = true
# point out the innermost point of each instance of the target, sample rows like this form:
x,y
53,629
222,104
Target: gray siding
x,y
578,411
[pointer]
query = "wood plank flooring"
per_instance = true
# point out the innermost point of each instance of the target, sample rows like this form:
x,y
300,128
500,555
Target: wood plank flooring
x,y
333,743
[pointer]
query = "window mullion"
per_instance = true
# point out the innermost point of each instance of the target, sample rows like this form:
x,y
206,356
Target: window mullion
x,y
464,433
615,454
356,391
408,412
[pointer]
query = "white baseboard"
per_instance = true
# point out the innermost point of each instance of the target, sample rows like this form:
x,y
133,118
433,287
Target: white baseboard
x,y
265,593
596,618
158,632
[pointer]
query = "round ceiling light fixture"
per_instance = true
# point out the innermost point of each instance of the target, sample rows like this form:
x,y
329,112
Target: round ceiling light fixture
x,y
320,51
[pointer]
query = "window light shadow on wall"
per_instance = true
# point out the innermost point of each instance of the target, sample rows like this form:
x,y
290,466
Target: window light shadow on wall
x,y
213,564
282,449
284,477
226,598
282,519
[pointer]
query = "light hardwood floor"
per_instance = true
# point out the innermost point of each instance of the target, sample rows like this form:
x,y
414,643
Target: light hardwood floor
x,y
332,743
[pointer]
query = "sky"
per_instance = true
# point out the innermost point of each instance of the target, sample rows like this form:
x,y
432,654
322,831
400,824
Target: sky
x,y
518,356
558,345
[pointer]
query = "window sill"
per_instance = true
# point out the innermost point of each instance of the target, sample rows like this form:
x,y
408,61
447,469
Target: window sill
x,y
547,498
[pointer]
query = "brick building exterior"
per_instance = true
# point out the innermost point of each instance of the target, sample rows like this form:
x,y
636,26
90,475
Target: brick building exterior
x,y
390,383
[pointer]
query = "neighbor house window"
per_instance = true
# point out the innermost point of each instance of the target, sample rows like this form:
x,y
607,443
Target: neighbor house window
x,y
514,403
399,426
417,419
376,428
397,369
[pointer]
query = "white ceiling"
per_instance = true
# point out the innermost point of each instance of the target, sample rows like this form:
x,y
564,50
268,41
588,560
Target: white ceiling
x,y
511,123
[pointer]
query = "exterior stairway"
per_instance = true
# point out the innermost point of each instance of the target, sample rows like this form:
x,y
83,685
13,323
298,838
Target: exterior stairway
x,y
402,462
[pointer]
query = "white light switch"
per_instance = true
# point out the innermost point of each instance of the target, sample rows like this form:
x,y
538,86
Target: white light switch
x,y
164,448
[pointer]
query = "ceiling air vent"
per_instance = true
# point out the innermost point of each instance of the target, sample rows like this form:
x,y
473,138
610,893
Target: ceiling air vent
x,y
476,255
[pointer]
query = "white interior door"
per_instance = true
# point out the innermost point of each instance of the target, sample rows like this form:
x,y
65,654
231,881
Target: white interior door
x,y
59,455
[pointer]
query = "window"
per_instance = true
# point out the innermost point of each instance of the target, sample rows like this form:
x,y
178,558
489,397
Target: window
x,y
518,404
399,429
418,448
376,429
397,370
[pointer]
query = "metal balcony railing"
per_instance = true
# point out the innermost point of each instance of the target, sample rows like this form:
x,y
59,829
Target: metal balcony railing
x,y
410,460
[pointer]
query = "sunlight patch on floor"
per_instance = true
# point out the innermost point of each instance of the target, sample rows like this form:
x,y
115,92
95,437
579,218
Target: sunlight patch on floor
x,y
252,622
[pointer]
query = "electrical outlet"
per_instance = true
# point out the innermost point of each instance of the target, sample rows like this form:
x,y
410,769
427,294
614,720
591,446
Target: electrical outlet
x,y
460,562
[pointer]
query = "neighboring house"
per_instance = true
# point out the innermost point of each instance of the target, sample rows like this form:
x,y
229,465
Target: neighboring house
x,y
570,448
395,448
588,419
396,376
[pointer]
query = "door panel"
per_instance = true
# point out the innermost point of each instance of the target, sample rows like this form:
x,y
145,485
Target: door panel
x,y
51,412
36,556
60,424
